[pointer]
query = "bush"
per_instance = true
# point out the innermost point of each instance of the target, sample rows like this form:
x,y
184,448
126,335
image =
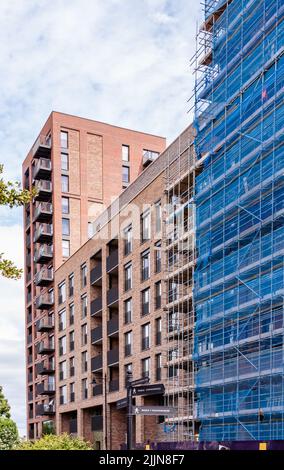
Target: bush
x,y
52,442
8,434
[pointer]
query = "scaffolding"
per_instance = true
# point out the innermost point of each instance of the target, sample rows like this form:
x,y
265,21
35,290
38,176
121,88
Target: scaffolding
x,y
179,258
239,197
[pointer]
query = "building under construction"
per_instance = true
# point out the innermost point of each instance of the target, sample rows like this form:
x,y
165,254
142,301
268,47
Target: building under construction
x,y
239,197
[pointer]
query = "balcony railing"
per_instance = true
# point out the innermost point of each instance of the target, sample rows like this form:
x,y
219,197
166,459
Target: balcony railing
x,y
149,157
44,277
45,324
45,368
45,410
43,233
97,363
42,169
44,190
112,296
96,275
46,347
44,301
30,396
97,423
42,147
43,212
96,306
113,385
112,261
97,335
46,388
112,326
97,390
44,254
113,357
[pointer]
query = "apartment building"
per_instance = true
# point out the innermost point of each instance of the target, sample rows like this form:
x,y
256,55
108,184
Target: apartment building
x,y
78,166
239,287
123,303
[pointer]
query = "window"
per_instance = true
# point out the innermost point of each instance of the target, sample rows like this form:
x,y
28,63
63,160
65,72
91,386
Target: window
x,y
65,205
128,240
71,314
71,285
158,324
127,369
62,345
158,360
71,341
158,257
128,311
145,367
61,293
128,276
158,212
72,391
66,227
84,362
84,306
64,139
145,265
64,183
125,153
84,275
84,335
62,370
128,343
125,174
145,298
72,366
62,320
65,248
145,336
158,295
84,389
64,161
63,395
145,226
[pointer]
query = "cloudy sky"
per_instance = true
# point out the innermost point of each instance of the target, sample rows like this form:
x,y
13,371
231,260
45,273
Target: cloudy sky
x,y
125,62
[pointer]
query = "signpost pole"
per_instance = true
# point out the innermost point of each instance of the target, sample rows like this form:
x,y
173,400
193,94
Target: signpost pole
x,y
129,411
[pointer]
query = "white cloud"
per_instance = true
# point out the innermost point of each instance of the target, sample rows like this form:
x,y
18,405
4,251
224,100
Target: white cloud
x,y
125,62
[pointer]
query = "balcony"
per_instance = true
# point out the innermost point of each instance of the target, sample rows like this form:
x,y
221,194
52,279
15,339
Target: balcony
x,y
43,212
45,368
45,410
46,347
43,233
97,423
44,254
29,338
112,326
97,335
113,386
46,388
30,359
97,390
96,275
112,261
97,363
96,306
42,170
44,301
73,426
44,277
44,190
42,147
45,324
30,396
149,157
112,297
113,357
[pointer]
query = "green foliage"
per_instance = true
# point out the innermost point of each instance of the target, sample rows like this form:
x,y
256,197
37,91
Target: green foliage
x,y
4,406
48,427
12,195
52,442
9,437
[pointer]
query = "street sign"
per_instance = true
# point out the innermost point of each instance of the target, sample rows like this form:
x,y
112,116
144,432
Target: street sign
x,y
158,389
153,410
142,381
121,403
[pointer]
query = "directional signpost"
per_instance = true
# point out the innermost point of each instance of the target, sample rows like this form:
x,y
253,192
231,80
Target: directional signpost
x,y
158,389
142,381
153,410
121,403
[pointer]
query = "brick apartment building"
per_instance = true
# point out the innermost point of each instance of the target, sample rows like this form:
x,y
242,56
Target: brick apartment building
x,y
78,167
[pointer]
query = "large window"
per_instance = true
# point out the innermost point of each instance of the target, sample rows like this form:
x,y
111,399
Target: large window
x,y
71,314
127,370
158,257
158,359
84,306
61,293
128,311
64,183
72,391
84,335
72,366
71,341
66,227
128,276
62,319
125,174
128,343
84,389
64,139
84,362
65,205
145,265
62,345
158,325
63,394
84,275
125,153
71,285
128,240
145,226
158,294
158,213
145,367
145,301
65,248
145,336
62,370
64,161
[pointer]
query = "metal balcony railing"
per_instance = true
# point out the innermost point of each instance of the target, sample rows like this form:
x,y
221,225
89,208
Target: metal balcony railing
x,y
43,233
112,296
96,306
97,334
97,363
112,326
113,356
42,169
112,261
43,277
42,147
43,211
96,274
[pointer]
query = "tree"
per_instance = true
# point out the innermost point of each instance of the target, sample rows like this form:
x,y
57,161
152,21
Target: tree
x,y
53,442
4,405
12,195
8,430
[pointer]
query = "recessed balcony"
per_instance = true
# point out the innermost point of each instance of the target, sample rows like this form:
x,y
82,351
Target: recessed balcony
x,y
97,335
112,327
43,212
45,410
44,277
46,388
44,190
96,275
46,347
45,324
149,157
43,233
96,306
112,297
42,170
112,262
113,385
113,357
97,363
42,147
44,254
97,390
97,423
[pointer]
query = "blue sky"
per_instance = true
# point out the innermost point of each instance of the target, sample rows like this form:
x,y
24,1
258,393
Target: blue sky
x,y
125,62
